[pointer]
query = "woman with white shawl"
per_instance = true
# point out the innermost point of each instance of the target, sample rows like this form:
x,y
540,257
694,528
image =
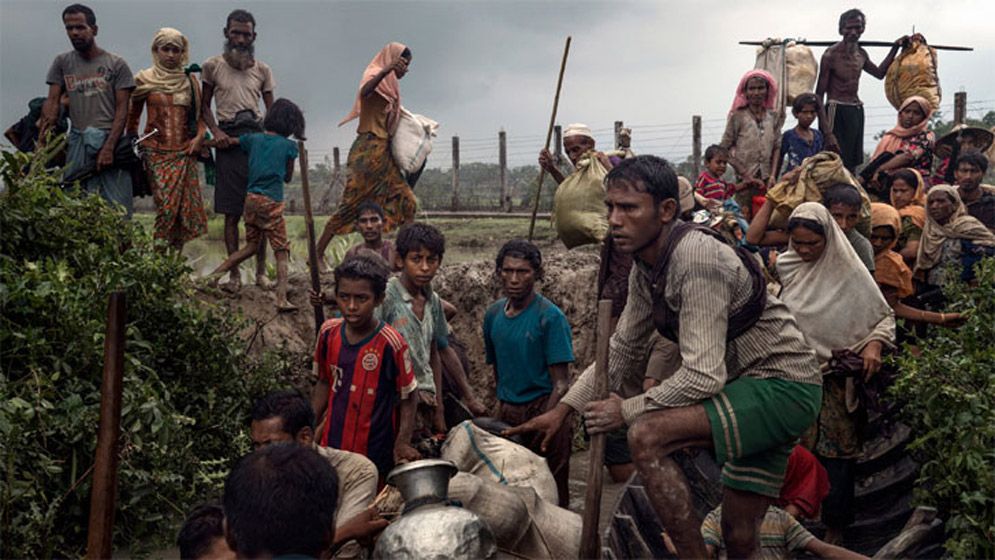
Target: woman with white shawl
x,y
950,236
839,308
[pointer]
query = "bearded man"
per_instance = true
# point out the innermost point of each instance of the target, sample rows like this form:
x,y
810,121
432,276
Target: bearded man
x,y
235,81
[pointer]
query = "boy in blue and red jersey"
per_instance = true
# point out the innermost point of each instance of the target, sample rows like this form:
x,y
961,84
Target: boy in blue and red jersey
x,y
365,379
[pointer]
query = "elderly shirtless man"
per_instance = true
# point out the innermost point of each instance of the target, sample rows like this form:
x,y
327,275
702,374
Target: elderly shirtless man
x,y
839,79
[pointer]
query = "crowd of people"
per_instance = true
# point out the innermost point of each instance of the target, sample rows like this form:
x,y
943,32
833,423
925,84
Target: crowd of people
x,y
763,342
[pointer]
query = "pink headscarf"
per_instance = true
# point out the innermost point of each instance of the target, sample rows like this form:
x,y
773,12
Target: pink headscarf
x,y
892,139
740,100
389,88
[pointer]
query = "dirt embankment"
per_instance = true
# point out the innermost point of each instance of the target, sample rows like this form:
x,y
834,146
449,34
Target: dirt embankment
x,y
570,282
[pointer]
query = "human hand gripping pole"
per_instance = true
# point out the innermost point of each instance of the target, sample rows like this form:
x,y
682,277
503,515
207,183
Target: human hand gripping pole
x,y
312,254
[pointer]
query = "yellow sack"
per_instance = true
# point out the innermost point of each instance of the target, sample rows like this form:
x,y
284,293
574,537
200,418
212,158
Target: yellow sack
x,y
818,173
579,214
913,73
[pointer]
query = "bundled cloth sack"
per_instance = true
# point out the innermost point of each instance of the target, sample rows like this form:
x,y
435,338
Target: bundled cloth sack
x,y
793,66
491,457
818,173
579,204
412,141
913,72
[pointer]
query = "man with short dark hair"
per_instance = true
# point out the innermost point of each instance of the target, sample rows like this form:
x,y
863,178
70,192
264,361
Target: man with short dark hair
x,y
280,501
839,78
202,536
287,417
527,340
99,85
979,199
748,384
235,81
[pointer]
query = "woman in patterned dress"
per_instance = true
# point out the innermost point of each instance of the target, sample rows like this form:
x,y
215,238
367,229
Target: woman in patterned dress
x,y
373,174
172,99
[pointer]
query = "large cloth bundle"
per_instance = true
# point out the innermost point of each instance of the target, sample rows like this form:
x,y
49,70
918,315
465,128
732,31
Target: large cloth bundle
x,y
818,173
913,73
793,66
412,141
579,204
497,459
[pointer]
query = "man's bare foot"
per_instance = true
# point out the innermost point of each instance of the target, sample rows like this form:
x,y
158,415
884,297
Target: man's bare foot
x,y
233,284
264,282
284,306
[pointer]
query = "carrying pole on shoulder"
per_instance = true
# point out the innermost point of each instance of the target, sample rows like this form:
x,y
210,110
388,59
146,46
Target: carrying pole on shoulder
x,y
549,137
589,541
312,253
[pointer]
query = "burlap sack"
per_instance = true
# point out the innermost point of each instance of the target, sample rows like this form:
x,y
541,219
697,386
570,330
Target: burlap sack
x,y
579,214
819,172
913,73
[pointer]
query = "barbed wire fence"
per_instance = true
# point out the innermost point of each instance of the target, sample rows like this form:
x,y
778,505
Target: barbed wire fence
x,y
478,185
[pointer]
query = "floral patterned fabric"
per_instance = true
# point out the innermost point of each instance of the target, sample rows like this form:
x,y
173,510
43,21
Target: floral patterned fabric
x,y
373,175
180,214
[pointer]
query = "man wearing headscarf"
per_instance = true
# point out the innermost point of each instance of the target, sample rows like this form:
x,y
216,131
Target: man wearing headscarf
x,y
99,86
172,97
236,81
839,78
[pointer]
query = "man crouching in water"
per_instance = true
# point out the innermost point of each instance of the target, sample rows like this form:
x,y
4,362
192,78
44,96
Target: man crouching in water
x,y
748,387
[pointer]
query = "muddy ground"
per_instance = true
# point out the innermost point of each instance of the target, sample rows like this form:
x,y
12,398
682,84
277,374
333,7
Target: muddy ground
x,y
570,282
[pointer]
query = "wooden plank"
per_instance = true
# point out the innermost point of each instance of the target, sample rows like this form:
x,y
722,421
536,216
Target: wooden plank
x,y
589,545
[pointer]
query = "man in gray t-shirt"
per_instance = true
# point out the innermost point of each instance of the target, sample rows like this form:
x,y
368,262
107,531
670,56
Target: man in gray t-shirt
x,y
99,86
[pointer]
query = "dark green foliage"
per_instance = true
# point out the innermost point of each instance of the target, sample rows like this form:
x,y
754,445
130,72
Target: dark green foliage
x,y
949,393
187,382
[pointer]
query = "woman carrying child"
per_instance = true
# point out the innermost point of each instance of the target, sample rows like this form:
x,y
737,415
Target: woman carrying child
x,y
271,164
172,99
373,173
753,136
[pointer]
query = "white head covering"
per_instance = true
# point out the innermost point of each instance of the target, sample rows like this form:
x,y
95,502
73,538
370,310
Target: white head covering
x,y
578,129
686,192
835,299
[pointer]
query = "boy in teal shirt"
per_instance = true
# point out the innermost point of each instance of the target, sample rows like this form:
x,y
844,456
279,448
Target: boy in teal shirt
x,y
271,163
528,341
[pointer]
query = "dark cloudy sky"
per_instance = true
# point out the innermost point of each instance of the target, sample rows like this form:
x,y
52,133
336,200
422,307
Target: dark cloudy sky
x,y
482,66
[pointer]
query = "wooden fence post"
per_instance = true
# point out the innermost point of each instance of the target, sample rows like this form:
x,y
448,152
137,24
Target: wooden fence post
x,y
505,203
455,204
103,495
618,134
695,146
960,107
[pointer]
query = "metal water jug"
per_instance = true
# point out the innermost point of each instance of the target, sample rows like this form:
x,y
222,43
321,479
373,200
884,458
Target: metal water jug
x,y
431,527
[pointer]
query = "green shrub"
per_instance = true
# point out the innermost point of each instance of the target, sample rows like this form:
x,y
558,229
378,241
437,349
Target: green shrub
x,y
187,385
949,391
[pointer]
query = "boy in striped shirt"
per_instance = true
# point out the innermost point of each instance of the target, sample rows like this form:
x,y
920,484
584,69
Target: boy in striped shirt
x,y
365,379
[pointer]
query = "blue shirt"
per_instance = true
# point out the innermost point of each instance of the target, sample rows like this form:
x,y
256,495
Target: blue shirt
x,y
797,149
268,157
524,346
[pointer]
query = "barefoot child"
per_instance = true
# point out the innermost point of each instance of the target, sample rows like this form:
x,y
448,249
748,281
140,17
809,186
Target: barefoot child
x,y
365,380
801,141
271,163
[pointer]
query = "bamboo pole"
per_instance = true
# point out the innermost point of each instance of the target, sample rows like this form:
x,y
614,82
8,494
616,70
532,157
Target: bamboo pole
x,y
103,496
549,137
312,253
589,538
862,44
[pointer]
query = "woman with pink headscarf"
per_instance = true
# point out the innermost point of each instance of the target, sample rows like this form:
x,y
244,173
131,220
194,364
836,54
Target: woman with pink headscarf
x,y
373,173
753,136
910,142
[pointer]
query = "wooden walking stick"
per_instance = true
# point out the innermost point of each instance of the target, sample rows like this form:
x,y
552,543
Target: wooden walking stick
x,y
549,137
589,538
104,493
312,253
